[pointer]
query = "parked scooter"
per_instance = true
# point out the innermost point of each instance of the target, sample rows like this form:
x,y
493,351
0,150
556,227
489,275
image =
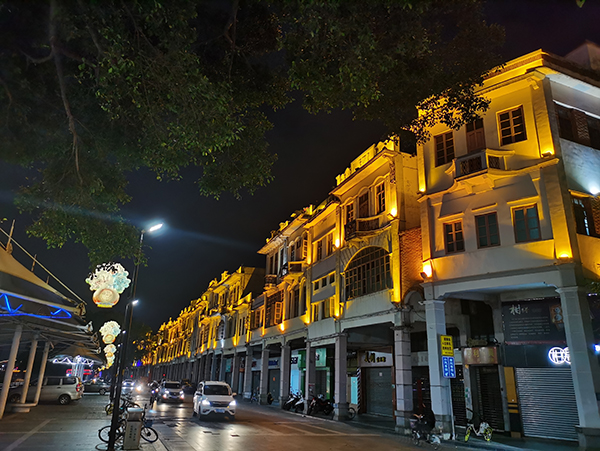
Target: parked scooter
x,y
291,401
299,405
320,405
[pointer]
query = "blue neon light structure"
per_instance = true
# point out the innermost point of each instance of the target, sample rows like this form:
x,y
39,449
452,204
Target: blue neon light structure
x,y
6,309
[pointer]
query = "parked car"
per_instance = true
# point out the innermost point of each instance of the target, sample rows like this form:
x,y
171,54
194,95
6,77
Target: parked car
x,y
171,391
63,389
214,398
96,386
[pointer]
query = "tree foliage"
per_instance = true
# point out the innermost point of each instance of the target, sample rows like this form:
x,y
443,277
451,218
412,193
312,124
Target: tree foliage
x,y
91,91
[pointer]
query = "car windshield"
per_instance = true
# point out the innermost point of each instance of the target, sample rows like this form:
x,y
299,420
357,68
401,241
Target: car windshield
x,y
173,386
216,390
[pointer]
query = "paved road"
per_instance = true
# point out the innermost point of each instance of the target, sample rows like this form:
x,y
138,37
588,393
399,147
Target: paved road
x,y
51,427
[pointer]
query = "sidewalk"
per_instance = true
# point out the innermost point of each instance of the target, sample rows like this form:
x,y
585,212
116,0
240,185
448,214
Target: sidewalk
x,y
51,427
499,441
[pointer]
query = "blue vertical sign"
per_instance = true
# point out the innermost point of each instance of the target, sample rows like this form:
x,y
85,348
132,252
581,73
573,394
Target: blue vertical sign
x,y
448,368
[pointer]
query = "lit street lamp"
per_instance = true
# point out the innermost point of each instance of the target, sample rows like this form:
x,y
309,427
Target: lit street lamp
x,y
120,367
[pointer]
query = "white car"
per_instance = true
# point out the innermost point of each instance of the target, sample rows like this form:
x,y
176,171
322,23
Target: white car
x,y
214,398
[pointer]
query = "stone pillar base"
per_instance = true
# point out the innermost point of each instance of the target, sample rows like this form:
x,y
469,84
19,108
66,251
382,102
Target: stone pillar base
x,y
340,411
403,422
263,399
589,438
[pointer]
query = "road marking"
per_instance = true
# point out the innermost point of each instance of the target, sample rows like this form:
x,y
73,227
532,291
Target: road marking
x,y
16,443
325,429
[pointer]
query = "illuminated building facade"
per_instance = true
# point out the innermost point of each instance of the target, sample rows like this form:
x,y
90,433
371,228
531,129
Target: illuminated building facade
x,y
509,218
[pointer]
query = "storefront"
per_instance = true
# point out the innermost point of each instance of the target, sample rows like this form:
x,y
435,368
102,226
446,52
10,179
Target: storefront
x,y
537,358
274,376
376,385
297,370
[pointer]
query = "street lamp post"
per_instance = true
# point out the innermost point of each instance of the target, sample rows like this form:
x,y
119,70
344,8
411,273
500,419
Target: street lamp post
x,y
121,361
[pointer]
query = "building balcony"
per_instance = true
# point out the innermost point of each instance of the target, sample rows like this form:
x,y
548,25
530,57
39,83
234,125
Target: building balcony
x,y
271,280
364,226
477,162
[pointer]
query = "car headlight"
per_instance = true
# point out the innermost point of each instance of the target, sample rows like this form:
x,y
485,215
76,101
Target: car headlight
x,y
167,392
165,396
205,402
139,388
181,392
232,403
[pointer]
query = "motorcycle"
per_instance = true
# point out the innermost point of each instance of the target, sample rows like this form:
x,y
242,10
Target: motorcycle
x,y
320,404
291,401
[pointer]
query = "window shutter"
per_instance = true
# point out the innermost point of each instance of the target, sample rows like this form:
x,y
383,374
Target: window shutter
x,y
278,312
581,127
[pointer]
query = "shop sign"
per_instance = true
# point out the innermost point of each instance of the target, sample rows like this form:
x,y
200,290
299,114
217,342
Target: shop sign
x,y
370,359
487,355
447,345
448,367
273,363
321,357
559,356
533,322
256,364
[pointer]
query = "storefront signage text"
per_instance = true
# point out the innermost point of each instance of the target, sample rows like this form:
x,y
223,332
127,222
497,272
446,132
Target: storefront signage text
x,y
559,356
447,345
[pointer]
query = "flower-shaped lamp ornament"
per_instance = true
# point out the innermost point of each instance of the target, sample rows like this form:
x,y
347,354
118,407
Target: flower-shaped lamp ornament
x,y
109,331
108,281
110,351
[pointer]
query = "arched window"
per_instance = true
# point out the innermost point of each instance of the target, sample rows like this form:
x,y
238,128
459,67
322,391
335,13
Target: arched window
x,y
368,272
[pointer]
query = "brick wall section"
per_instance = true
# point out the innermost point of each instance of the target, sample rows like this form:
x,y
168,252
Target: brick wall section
x,y
595,201
411,259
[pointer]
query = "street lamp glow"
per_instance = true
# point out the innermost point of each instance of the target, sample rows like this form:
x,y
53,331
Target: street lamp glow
x,y
154,228
134,302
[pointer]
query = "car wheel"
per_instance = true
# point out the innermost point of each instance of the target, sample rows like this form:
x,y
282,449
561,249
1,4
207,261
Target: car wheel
x,y
102,392
64,400
14,398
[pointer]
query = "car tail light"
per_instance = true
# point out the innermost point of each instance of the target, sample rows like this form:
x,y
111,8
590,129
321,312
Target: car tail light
x,y
79,387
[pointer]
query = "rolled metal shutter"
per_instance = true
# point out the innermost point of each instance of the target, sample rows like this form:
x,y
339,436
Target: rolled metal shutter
x,y
379,399
547,403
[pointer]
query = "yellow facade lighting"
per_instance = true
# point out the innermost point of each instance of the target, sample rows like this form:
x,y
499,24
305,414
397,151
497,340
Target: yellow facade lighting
x,y
281,327
427,270
393,212
337,243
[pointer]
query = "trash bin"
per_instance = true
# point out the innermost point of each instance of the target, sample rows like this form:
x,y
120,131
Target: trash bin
x,y
133,429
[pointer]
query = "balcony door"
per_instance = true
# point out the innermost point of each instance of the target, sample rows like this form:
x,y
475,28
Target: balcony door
x,y
363,205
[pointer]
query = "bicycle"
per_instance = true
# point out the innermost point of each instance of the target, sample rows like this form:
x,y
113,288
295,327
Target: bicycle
x,y
429,437
484,430
127,401
147,432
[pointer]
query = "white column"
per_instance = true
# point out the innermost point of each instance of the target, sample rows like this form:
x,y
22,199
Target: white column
x,y
248,374
584,363
284,375
30,362
213,367
341,378
10,366
439,386
43,362
264,375
311,374
222,368
235,372
403,379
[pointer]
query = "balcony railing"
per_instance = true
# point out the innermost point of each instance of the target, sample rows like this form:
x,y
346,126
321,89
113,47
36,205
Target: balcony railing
x,y
270,280
363,226
477,162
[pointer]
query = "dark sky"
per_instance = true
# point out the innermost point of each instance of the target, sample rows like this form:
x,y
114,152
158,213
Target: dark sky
x,y
204,237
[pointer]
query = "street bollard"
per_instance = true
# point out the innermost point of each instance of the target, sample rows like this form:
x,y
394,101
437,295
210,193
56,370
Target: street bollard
x,y
133,429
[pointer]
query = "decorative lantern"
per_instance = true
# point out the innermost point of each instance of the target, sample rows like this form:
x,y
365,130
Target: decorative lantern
x,y
110,350
108,281
110,330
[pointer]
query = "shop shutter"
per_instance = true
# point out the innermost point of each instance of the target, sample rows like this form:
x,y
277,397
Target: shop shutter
x,y
379,392
547,403
490,398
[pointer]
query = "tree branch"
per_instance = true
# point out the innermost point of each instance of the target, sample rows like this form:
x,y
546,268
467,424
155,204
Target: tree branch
x,y
62,85
10,99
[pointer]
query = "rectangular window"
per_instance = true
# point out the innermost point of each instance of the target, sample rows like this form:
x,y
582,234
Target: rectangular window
x,y
292,253
380,193
512,126
323,282
315,285
487,230
295,303
475,136
278,312
363,205
444,148
330,244
565,123
584,219
332,278
349,213
527,224
304,247
319,250
315,312
327,308
594,131
453,235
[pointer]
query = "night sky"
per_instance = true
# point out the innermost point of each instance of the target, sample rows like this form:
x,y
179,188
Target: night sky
x,y
204,237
